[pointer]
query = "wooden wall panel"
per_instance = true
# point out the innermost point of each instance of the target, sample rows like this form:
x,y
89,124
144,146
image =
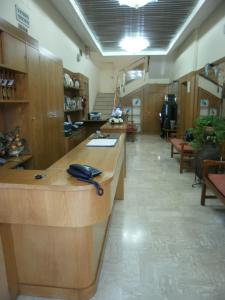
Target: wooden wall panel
x,y
152,97
153,100
186,103
127,100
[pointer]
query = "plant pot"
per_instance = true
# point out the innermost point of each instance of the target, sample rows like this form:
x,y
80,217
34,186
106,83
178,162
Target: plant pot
x,y
208,152
208,129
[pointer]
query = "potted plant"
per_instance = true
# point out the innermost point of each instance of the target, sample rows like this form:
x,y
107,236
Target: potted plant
x,y
208,130
208,139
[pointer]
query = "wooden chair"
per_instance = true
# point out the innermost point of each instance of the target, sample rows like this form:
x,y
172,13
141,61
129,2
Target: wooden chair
x,y
215,182
183,148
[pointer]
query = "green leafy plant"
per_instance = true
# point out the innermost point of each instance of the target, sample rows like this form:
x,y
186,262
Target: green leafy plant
x,y
209,129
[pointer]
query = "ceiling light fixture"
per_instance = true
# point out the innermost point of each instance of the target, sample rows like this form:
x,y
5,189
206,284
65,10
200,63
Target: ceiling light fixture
x,y
136,3
134,44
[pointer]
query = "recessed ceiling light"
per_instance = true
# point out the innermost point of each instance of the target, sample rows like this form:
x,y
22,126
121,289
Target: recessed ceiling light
x,y
136,3
134,44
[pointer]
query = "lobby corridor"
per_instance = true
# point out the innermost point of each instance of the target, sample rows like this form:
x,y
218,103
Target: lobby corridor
x,y
162,245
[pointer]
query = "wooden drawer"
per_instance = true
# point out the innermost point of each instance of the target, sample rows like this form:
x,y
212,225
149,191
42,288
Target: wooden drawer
x,y
13,52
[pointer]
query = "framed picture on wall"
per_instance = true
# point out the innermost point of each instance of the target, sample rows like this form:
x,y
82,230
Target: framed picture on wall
x,y
136,102
204,103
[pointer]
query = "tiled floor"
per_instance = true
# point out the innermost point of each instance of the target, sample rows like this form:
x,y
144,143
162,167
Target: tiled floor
x,y
162,244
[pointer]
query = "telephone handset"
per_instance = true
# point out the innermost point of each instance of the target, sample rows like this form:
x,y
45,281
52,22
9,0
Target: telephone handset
x,y
86,173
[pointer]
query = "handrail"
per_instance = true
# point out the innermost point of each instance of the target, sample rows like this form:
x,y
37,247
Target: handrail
x,y
124,70
211,80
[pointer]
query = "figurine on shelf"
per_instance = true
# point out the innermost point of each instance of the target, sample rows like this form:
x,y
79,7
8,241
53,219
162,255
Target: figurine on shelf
x,y
11,143
68,81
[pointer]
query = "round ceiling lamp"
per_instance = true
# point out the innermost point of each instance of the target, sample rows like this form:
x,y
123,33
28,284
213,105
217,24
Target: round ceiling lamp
x,y
136,3
134,45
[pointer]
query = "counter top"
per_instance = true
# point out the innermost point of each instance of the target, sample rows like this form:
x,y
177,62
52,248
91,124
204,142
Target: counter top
x,y
100,157
114,127
57,184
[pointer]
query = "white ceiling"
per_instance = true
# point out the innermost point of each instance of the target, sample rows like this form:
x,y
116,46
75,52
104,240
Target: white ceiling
x,y
84,21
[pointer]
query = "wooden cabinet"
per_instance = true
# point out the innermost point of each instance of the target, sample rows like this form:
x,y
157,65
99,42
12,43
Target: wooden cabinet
x,y
52,108
36,107
35,103
13,52
46,108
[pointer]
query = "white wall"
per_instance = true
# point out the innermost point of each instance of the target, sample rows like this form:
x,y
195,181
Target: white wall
x,y
205,45
211,43
160,70
185,57
53,33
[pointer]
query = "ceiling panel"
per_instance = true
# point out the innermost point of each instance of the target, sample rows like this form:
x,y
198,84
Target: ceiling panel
x,y
158,22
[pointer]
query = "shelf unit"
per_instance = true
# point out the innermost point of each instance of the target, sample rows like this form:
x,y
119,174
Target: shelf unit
x,y
14,108
82,91
76,114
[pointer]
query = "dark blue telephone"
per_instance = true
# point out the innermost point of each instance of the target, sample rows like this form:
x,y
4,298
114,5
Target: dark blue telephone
x,y
86,173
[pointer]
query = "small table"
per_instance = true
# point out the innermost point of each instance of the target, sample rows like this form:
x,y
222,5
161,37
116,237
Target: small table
x,y
114,128
168,131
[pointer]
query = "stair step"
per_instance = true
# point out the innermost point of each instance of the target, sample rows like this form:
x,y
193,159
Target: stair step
x,y
103,100
103,111
105,95
103,106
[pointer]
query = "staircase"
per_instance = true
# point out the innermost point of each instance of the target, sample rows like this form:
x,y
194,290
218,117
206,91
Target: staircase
x,y
104,104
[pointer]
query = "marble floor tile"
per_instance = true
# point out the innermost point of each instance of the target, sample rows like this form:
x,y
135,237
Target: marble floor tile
x,y
162,245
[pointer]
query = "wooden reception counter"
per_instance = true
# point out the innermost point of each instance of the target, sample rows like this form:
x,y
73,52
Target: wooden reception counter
x,y
53,229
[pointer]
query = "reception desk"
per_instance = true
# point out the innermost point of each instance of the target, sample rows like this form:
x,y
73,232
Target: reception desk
x,y
53,229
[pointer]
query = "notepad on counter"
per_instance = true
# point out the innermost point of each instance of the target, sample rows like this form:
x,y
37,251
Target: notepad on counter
x,y
102,143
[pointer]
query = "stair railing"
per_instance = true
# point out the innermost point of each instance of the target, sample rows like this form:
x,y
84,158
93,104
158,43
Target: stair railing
x,y
121,83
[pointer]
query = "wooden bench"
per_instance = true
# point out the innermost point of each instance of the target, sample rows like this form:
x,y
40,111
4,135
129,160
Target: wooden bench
x,y
183,148
215,182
